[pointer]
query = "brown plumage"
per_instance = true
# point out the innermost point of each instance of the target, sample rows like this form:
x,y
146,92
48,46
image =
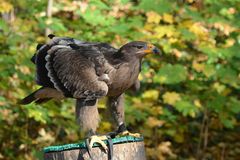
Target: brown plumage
x,y
88,71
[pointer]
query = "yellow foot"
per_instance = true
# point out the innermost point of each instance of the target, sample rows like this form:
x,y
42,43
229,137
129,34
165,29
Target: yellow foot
x,y
127,133
99,140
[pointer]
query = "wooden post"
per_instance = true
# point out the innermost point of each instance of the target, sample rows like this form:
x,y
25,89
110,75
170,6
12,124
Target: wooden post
x,y
121,151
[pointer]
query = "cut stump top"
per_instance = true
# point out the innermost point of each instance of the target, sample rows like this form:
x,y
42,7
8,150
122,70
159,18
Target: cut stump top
x,y
124,148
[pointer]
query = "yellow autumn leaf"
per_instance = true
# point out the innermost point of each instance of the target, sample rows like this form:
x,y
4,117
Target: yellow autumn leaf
x,y
151,94
219,87
177,53
232,10
172,40
153,17
164,148
149,27
171,98
225,28
229,42
199,67
187,23
226,92
5,6
168,18
154,122
156,110
24,69
101,103
162,79
209,70
192,114
105,126
199,30
197,103
169,31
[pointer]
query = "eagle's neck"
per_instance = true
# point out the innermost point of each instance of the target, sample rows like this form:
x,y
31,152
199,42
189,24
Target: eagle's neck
x,y
124,77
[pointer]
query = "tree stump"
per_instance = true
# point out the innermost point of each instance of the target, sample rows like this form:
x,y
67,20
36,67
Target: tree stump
x,y
124,148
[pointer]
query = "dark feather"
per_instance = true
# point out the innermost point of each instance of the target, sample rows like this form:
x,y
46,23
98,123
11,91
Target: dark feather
x,y
73,71
30,98
39,46
33,59
74,46
51,36
43,100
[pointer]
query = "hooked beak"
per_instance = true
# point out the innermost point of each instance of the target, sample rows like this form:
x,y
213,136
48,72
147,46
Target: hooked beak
x,y
152,49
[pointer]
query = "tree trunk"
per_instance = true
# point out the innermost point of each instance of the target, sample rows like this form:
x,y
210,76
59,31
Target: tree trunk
x,y
49,16
122,151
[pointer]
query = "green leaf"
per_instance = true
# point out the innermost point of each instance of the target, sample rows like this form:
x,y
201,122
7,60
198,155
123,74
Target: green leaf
x,y
216,102
160,6
3,26
99,4
228,76
186,108
234,105
171,74
96,17
37,113
187,35
227,121
57,25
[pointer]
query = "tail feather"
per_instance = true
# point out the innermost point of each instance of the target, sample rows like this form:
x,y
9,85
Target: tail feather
x,y
42,100
30,98
42,95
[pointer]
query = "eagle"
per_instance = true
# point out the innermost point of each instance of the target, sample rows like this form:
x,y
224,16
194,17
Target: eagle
x,y
87,71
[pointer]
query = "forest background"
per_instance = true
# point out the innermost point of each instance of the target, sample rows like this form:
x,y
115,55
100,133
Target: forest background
x,y
188,106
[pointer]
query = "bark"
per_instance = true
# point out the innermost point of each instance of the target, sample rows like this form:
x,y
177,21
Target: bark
x,y
49,15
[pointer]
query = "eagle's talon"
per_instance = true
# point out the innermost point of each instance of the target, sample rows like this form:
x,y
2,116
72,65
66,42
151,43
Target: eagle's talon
x,y
127,133
99,140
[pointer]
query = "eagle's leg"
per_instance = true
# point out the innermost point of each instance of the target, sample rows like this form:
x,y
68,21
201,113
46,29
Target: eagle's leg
x,y
116,106
88,118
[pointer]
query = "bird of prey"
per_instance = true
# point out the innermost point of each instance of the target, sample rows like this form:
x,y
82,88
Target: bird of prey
x,y
87,71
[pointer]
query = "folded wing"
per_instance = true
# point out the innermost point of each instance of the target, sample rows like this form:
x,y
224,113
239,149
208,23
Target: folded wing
x,y
72,67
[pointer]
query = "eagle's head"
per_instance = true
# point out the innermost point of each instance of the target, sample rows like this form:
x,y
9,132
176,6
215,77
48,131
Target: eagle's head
x,y
139,49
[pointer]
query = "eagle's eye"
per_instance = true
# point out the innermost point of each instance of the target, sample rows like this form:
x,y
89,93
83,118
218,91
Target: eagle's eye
x,y
138,46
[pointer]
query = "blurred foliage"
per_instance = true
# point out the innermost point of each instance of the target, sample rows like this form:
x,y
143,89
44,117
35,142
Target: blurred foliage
x,y
189,103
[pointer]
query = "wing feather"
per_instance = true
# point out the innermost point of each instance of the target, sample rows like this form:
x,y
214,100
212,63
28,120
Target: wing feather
x,y
73,70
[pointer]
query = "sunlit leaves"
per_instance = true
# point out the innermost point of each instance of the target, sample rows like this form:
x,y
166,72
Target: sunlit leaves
x,y
156,5
153,17
37,113
153,122
5,6
186,108
187,35
56,25
199,30
151,95
228,76
95,17
171,98
171,74
168,18
168,31
4,26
